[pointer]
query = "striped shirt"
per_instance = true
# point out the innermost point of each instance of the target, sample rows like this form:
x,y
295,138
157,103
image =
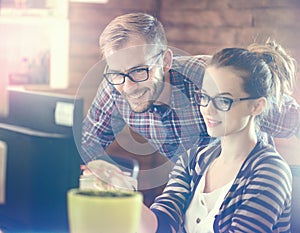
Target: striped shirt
x,y
259,199
171,129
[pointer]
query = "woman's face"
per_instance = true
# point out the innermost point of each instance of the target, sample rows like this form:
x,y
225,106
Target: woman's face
x,y
225,82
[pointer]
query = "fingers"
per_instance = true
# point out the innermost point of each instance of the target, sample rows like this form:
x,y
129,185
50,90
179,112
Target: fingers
x,y
102,175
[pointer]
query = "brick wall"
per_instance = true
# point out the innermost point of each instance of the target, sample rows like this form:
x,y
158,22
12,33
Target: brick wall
x,y
207,25
195,26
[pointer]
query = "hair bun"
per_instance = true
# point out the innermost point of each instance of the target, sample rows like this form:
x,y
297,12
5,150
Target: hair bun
x,y
267,58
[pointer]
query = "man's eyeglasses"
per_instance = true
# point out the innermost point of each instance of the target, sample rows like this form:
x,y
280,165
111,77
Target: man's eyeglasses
x,y
139,74
221,103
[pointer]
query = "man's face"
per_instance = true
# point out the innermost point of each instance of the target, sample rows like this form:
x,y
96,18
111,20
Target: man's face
x,y
133,58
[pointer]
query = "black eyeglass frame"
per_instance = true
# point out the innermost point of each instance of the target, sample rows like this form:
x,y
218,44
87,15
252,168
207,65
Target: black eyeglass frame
x,y
198,94
147,69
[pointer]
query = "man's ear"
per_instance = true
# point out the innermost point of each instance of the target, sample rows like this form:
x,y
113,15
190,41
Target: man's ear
x,y
167,59
259,106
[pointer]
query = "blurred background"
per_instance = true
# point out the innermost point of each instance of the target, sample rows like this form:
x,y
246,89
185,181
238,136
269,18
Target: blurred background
x,y
195,26
48,53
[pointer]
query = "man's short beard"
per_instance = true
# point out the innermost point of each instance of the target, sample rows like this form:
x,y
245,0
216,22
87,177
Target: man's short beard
x,y
158,89
148,106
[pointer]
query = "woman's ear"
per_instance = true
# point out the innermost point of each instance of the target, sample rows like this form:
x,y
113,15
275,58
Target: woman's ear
x,y
259,106
167,59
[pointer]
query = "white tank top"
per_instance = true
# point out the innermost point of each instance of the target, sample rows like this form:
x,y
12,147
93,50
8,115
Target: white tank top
x,y
200,215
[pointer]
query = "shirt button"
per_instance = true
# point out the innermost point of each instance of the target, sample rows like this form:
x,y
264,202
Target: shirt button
x,y
198,220
202,202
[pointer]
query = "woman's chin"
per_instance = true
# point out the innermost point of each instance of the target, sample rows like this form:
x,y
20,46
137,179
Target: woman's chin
x,y
214,133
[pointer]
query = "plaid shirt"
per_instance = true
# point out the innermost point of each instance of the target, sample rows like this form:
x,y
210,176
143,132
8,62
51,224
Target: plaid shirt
x,y
171,129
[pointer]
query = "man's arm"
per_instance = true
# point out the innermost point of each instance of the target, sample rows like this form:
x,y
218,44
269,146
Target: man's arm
x,y
284,122
97,129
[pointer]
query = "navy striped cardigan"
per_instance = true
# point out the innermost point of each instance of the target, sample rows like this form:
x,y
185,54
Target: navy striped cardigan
x,y
258,201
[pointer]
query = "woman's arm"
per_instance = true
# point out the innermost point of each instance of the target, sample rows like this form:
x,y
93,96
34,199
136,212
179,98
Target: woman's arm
x,y
148,223
169,207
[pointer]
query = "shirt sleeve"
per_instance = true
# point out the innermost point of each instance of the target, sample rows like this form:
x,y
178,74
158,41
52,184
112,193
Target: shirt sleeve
x,y
265,199
284,122
101,124
170,205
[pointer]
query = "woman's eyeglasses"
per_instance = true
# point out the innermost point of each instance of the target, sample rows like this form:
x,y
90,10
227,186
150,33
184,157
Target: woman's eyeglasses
x,y
221,103
139,74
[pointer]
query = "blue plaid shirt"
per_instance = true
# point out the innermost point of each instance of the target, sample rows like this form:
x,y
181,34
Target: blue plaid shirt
x,y
171,129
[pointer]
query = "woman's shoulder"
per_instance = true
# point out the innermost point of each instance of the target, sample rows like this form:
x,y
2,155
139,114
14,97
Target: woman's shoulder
x,y
265,152
203,154
266,157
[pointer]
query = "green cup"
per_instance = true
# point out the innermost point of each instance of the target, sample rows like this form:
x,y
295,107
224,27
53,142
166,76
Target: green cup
x,y
91,211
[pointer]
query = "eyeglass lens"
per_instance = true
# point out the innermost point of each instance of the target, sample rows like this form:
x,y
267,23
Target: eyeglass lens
x,y
220,103
136,75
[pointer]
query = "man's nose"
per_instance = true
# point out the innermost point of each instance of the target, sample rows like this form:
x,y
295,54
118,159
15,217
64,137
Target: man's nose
x,y
128,83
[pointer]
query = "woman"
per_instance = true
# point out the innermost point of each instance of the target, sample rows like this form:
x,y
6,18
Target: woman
x,y
238,183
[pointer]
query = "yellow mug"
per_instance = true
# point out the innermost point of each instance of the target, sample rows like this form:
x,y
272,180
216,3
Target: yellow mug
x,y
91,211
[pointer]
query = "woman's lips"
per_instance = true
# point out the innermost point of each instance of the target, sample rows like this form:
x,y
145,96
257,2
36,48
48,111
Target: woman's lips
x,y
212,123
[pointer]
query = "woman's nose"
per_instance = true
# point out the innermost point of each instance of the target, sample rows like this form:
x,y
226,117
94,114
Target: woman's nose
x,y
210,108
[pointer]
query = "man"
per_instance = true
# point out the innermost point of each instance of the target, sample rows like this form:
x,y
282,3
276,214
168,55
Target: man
x,y
151,90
